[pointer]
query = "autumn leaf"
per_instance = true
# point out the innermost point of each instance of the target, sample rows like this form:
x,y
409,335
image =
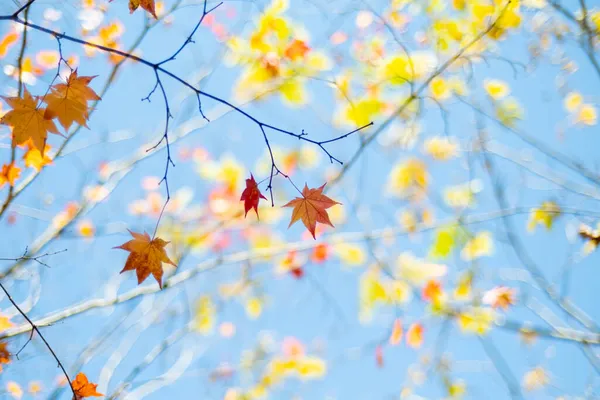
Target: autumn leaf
x,y
9,174
34,159
68,101
414,335
251,196
4,355
592,237
379,356
28,121
147,5
5,323
397,331
311,208
83,388
146,256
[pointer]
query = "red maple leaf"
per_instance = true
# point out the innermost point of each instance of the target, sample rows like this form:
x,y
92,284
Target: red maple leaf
x,y
251,195
297,272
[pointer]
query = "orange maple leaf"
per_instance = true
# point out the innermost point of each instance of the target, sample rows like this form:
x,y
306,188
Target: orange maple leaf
x,y
432,290
9,173
147,5
414,335
311,208
27,121
84,388
4,355
68,101
296,50
397,331
146,256
251,196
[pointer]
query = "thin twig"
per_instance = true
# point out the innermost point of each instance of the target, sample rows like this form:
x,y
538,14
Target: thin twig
x,y
34,328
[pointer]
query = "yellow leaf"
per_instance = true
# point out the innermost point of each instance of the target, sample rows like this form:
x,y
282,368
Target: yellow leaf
x,y
363,111
416,270
34,159
544,215
479,246
14,389
441,148
535,379
205,315
509,112
311,368
398,291
587,115
5,323
477,320
439,88
254,307
496,89
409,178
573,101
350,254
293,92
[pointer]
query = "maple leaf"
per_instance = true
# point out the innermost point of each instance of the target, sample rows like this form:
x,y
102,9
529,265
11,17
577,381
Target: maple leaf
x,y
297,272
27,121
9,173
147,5
397,331
296,50
68,101
33,157
146,256
311,208
83,388
251,196
5,323
4,355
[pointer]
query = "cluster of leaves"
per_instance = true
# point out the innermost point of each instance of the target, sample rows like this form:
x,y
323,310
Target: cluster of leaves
x,y
147,255
66,102
30,122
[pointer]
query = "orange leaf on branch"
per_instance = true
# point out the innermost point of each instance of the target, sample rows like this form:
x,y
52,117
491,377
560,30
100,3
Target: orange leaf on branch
x,y
311,208
147,5
9,174
146,256
68,101
251,196
4,355
83,388
28,121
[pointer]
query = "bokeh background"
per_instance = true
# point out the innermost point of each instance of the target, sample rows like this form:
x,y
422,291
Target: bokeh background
x,y
216,333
